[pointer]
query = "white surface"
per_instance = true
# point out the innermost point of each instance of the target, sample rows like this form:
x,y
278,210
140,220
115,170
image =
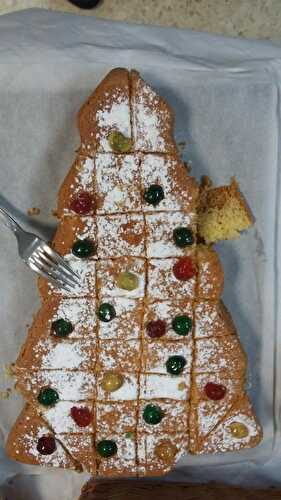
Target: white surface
x,y
226,96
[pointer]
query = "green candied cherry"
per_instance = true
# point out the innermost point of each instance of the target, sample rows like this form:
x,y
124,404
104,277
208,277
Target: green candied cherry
x,y
83,249
175,364
62,328
182,324
118,142
48,396
153,194
106,312
107,448
183,237
152,414
127,281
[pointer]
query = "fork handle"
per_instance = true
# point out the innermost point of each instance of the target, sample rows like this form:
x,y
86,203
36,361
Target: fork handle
x,y
9,221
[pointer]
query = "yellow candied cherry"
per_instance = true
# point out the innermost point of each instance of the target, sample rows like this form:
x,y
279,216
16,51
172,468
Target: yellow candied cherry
x,y
166,451
118,142
112,381
238,430
127,281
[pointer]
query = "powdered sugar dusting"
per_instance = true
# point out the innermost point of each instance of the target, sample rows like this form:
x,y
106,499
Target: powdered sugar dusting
x,y
164,386
60,420
113,116
65,355
81,314
148,120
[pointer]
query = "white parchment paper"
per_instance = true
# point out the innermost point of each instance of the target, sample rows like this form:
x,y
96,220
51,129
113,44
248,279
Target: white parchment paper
x,y
226,96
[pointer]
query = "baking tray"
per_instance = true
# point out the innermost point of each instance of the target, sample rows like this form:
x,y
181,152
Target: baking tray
x,y
227,123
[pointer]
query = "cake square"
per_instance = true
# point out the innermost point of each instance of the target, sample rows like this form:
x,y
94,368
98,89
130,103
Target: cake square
x,y
53,354
127,392
118,183
212,319
87,274
220,354
166,311
72,229
152,118
174,417
116,417
127,323
81,313
155,355
159,229
156,386
60,420
106,110
108,272
114,355
119,235
210,274
70,385
82,449
80,179
148,460
167,171
24,438
206,412
123,463
221,438
162,283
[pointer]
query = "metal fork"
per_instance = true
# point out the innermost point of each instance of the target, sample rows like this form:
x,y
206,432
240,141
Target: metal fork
x,y
40,257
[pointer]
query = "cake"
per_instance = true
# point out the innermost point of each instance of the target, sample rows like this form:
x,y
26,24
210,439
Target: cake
x,y
141,363
223,212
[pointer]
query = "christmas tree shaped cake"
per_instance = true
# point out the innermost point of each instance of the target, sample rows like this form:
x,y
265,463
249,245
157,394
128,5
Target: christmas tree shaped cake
x,y
141,363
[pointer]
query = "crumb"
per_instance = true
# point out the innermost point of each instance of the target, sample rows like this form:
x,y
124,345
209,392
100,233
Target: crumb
x,y
181,386
181,145
187,166
33,211
54,212
8,371
6,393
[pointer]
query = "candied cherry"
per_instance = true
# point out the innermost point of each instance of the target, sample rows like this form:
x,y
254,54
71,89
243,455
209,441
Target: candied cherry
x,y
107,448
215,391
81,416
153,194
83,249
62,328
156,329
48,396
82,203
184,269
238,430
166,451
112,381
46,445
182,324
175,364
152,414
183,237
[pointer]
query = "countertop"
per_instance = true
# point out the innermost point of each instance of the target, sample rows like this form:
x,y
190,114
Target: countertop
x,y
246,18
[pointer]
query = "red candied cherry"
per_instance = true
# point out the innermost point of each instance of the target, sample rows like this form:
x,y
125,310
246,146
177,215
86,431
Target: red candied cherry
x,y
81,416
184,269
82,203
215,391
156,329
46,445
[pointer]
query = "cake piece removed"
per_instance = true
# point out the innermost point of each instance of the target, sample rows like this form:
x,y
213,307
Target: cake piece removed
x,y
223,212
